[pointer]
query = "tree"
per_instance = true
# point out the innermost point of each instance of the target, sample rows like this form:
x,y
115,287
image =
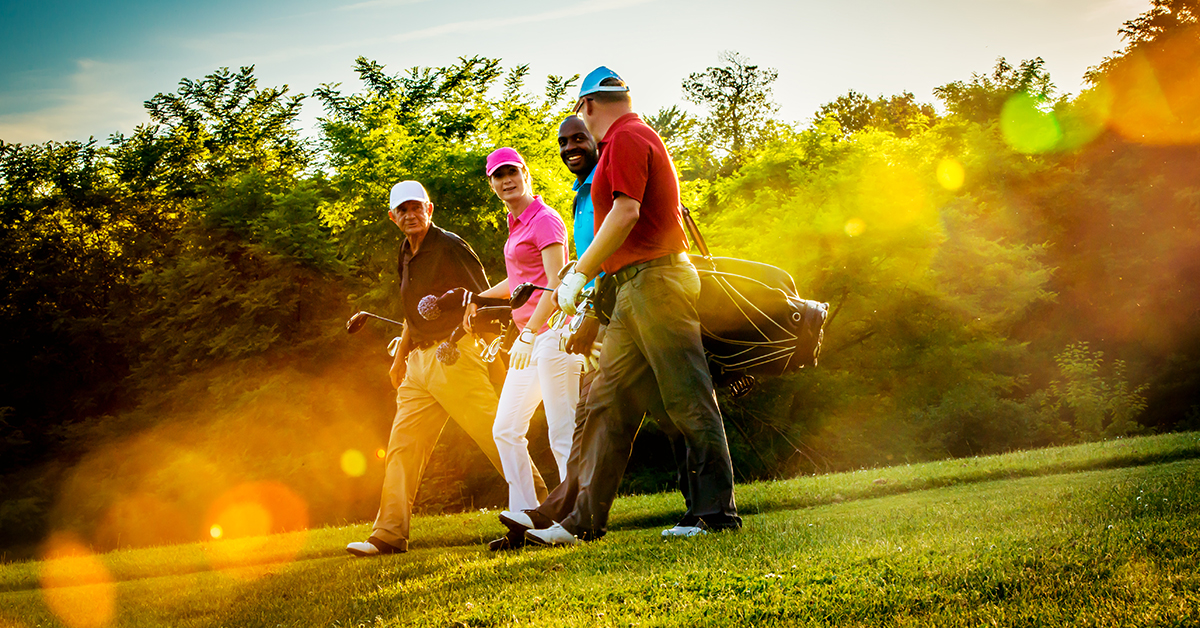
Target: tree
x,y
1165,20
64,267
251,249
738,99
680,131
897,114
982,99
434,125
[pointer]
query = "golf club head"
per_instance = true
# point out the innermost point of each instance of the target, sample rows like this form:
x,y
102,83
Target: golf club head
x,y
522,293
356,322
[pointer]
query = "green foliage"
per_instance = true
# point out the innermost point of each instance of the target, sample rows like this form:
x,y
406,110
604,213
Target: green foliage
x,y
899,114
1096,405
437,126
982,99
738,99
65,258
680,132
1164,20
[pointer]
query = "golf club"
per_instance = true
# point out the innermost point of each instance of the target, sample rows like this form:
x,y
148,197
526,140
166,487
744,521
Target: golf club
x,y
359,319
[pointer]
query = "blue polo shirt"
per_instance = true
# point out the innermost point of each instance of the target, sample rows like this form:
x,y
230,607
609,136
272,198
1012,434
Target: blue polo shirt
x,y
585,217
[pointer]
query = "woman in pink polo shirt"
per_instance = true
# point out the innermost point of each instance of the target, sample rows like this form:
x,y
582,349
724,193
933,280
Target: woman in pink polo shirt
x,y
539,370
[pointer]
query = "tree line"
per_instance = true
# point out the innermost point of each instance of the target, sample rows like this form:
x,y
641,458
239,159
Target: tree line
x,y
1014,268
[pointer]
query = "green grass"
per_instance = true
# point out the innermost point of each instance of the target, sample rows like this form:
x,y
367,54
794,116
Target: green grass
x,y
1105,534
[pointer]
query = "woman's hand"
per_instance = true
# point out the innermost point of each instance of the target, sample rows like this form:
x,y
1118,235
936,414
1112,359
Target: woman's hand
x,y
522,350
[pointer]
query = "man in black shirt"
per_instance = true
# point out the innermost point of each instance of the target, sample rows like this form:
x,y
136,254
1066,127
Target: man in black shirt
x,y
432,261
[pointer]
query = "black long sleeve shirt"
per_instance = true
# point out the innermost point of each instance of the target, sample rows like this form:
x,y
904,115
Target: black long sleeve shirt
x,y
443,262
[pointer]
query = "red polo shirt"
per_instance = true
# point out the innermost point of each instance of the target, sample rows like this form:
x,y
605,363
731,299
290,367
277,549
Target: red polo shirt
x,y
634,162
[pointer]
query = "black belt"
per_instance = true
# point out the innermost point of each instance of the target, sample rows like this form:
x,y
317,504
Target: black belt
x,y
627,273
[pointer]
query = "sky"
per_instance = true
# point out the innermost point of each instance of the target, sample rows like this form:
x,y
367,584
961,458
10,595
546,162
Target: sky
x,y
70,70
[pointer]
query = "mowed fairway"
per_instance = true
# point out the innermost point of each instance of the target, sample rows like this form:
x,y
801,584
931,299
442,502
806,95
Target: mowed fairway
x,y
1104,534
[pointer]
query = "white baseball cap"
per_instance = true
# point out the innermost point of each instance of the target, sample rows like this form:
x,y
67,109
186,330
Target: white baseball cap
x,y
407,191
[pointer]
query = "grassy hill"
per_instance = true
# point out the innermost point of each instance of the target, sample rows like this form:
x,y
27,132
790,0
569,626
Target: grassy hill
x,y
1104,534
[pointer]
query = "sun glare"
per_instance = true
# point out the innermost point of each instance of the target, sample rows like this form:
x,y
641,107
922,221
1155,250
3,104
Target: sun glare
x,y
354,463
1154,95
77,587
855,227
950,174
250,521
1026,127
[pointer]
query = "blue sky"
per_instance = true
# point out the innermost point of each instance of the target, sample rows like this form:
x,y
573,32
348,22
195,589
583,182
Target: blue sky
x,y
73,69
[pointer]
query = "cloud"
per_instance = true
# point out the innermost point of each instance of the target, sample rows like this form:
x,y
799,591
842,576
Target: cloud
x,y
95,99
375,4
491,24
1118,9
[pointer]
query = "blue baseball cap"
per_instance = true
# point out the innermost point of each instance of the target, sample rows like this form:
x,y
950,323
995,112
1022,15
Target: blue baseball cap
x,y
591,83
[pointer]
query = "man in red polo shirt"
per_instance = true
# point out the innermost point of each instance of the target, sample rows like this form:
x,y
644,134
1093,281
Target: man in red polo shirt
x,y
653,346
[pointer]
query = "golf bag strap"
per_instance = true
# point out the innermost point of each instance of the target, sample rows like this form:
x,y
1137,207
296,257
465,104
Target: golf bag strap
x,y
693,231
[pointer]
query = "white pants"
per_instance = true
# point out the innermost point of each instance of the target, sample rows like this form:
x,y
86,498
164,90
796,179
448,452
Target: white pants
x,y
552,378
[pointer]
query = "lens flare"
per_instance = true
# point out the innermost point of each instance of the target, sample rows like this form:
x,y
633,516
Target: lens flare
x,y
1026,128
142,520
250,520
381,453
950,174
77,587
1156,92
855,227
1083,119
354,463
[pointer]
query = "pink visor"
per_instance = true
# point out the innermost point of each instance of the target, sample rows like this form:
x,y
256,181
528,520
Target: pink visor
x,y
503,157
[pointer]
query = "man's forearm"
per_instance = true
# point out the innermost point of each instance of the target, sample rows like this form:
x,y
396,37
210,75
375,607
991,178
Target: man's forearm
x,y
612,233
405,347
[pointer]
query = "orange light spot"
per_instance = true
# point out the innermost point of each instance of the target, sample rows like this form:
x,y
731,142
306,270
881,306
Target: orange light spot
x,y
252,519
77,587
1155,99
381,453
215,531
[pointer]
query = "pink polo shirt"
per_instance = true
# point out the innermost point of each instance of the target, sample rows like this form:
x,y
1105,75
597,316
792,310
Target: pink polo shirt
x,y
538,227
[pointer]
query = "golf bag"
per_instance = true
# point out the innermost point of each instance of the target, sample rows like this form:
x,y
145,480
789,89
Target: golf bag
x,y
752,321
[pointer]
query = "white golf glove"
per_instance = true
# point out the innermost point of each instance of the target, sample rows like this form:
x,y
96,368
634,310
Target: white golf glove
x,y
522,350
591,361
568,292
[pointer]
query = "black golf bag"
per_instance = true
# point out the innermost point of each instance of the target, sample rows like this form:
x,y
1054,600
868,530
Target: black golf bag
x,y
752,321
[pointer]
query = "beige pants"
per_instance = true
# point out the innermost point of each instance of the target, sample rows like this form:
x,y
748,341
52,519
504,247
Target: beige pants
x,y
431,393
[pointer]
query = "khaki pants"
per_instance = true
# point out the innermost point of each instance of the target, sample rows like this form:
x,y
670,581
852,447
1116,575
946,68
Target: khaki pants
x,y
431,393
